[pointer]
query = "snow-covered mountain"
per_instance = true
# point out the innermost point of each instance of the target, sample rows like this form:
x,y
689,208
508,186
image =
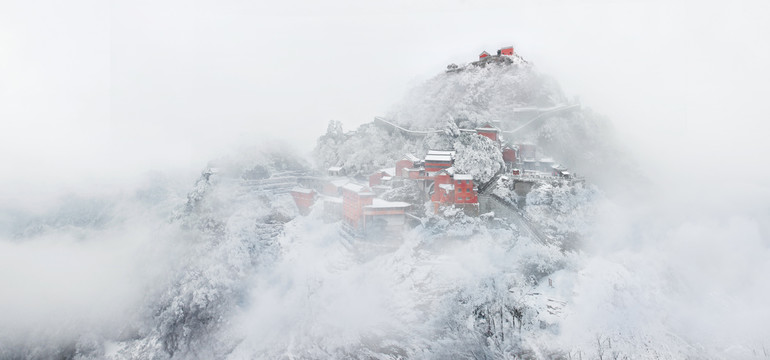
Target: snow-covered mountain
x,y
227,268
500,93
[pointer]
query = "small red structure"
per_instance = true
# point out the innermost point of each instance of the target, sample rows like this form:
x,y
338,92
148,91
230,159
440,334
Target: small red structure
x,y
464,193
407,162
437,160
509,154
363,212
560,171
483,55
435,163
384,216
450,188
507,51
304,198
383,175
443,189
488,131
411,167
401,165
332,187
413,173
375,179
354,198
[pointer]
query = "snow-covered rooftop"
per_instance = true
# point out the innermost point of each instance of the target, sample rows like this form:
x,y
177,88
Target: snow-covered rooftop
x,y
558,167
339,181
450,170
357,188
432,157
463,177
389,171
411,158
447,187
384,204
335,168
442,152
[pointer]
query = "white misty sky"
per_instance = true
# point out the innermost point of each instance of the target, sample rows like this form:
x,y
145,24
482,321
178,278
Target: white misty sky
x,y
104,90
94,93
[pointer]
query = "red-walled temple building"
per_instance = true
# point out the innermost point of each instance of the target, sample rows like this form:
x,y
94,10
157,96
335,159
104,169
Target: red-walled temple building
x,y
362,212
453,189
304,198
489,131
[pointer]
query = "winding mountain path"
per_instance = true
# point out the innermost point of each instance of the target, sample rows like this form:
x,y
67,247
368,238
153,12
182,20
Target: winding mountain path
x,y
504,210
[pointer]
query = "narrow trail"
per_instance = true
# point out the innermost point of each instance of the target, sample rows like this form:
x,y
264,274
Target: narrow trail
x,y
509,212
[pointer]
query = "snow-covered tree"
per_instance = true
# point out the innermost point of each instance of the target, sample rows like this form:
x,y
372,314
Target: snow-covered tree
x,y
478,156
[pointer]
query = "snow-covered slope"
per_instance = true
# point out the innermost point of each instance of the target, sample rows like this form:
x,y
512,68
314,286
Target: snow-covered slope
x,y
476,95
